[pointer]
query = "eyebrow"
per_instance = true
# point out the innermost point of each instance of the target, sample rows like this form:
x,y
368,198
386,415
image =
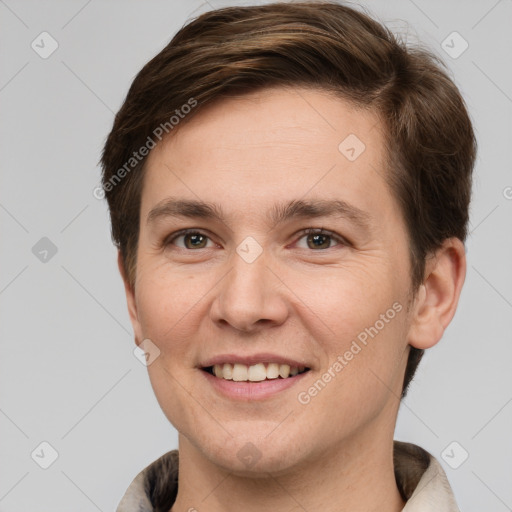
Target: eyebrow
x,y
279,213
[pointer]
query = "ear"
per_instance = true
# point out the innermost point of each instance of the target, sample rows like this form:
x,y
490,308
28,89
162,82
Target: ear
x,y
438,296
130,300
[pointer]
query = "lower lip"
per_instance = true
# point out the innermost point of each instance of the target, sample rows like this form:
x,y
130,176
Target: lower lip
x,y
251,390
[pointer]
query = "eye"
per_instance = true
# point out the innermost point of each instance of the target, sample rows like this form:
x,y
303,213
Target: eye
x,y
192,239
316,238
320,239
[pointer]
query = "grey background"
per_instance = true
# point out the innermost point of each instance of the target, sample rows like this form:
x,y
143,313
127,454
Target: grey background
x,y
68,374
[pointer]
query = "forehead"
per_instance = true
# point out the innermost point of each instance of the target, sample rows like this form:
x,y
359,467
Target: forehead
x,y
253,151
267,121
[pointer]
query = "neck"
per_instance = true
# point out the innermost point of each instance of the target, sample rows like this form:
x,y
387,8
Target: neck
x,y
357,475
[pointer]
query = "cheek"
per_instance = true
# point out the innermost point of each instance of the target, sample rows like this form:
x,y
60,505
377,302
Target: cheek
x,y
166,301
169,312
362,379
349,299
361,322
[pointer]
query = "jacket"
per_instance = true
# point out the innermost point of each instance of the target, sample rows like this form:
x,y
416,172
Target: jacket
x,y
420,479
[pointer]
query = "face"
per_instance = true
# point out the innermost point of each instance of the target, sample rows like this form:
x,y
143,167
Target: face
x,y
250,289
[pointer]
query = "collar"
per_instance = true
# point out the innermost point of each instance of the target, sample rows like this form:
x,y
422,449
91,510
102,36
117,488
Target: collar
x,y
420,478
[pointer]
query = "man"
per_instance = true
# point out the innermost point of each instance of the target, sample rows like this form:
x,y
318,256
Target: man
x,y
289,187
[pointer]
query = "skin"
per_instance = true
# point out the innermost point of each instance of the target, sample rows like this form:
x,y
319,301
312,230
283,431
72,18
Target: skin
x,y
246,154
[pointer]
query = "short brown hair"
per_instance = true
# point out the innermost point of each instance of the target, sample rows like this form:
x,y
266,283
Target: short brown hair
x,y
431,146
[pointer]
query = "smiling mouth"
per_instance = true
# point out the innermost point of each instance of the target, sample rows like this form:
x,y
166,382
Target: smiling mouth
x,y
254,373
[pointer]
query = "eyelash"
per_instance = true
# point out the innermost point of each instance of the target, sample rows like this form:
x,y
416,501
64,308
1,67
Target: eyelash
x,y
309,231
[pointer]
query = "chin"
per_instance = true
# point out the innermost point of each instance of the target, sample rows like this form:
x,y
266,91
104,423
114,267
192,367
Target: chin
x,y
252,456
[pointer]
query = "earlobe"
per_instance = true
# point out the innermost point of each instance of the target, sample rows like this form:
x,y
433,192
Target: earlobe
x,y
130,299
438,296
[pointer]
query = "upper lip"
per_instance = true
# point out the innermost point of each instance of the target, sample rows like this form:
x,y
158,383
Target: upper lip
x,y
251,360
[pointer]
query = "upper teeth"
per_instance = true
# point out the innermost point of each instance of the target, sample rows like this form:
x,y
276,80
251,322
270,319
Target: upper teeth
x,y
256,372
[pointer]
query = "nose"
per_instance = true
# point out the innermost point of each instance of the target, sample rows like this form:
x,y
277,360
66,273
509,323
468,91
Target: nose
x,y
250,296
